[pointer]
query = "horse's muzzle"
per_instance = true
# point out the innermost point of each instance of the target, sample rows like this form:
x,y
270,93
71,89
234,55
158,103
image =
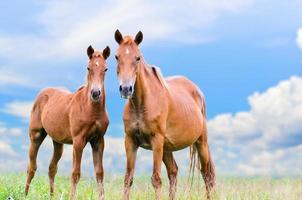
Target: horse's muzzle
x,y
126,91
95,95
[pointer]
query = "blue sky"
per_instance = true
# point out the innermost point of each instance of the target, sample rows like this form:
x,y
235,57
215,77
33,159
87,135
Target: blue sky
x,y
246,56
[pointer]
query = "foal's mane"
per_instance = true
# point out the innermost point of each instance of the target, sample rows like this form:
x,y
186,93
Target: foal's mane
x,y
80,88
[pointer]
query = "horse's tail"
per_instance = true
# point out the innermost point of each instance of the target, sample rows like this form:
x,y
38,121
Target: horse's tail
x,y
207,169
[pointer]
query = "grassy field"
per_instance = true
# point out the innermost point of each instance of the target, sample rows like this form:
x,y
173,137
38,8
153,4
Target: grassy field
x,y
12,185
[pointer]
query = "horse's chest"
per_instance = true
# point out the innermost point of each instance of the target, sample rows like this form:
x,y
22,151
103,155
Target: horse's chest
x,y
142,130
139,123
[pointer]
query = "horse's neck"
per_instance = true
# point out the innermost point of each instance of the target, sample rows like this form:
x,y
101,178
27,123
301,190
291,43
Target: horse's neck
x,y
144,85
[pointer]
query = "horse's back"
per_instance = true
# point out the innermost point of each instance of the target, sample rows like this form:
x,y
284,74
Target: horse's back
x,y
46,97
183,89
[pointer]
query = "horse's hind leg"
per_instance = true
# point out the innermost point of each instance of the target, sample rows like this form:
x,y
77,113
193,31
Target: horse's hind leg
x,y
206,163
36,139
172,170
53,166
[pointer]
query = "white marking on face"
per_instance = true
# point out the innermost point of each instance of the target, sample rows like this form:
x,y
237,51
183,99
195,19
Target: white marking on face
x,y
127,51
97,63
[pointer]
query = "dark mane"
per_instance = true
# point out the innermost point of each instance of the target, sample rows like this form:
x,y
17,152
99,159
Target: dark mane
x,y
80,88
157,73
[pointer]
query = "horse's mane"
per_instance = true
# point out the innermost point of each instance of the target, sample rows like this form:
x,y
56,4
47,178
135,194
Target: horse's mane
x,y
159,76
80,88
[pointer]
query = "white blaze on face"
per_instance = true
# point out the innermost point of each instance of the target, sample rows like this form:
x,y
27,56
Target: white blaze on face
x,y
127,51
97,63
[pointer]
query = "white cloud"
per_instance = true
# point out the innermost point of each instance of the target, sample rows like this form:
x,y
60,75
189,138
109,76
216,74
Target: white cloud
x,y
299,38
69,26
9,77
18,108
6,149
265,137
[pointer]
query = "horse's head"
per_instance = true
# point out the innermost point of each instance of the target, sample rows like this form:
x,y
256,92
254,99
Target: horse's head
x,y
128,57
97,67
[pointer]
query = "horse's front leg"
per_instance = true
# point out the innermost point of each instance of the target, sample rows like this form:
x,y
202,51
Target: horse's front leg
x,y
131,151
97,146
78,145
157,143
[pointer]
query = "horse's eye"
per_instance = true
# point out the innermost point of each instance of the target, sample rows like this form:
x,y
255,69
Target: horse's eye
x,y
137,58
116,57
88,68
105,70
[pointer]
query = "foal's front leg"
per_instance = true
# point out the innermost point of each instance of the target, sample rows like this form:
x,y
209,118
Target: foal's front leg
x,y
131,151
157,143
97,146
78,145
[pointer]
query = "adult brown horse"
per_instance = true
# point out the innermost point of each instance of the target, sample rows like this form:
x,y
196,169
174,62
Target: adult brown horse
x,y
164,115
72,118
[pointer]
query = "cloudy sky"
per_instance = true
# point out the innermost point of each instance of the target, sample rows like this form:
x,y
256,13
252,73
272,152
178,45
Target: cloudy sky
x,y
246,56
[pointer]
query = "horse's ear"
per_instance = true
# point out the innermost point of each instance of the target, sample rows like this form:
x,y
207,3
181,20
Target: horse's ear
x,y
106,52
90,51
138,38
118,37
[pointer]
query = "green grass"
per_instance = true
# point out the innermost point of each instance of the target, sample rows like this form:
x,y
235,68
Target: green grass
x,y
12,185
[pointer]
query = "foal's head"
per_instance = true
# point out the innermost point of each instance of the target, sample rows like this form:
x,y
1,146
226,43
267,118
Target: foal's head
x,y
97,67
128,57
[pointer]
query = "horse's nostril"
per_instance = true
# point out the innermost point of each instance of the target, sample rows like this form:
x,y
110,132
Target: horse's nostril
x,y
130,88
121,88
95,94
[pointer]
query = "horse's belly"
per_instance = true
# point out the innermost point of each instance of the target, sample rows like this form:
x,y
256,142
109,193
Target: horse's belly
x,y
56,124
182,135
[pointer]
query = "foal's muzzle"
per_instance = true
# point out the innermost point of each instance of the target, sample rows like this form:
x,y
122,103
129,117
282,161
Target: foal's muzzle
x,y
126,91
95,95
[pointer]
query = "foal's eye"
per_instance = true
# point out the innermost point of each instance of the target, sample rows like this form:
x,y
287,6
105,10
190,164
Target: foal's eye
x,y
105,70
137,58
88,68
116,57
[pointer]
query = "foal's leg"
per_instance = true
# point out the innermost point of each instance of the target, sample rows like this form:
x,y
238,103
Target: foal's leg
x,y
207,166
78,146
131,151
157,143
172,173
97,146
53,166
36,139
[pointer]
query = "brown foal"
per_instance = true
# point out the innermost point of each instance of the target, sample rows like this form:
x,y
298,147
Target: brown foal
x,y
163,115
72,118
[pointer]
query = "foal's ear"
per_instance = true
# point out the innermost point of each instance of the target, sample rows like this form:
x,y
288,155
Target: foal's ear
x,y
90,51
118,36
138,38
106,52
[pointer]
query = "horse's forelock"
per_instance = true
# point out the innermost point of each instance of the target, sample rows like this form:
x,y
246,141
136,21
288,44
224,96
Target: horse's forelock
x,y
128,40
97,53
